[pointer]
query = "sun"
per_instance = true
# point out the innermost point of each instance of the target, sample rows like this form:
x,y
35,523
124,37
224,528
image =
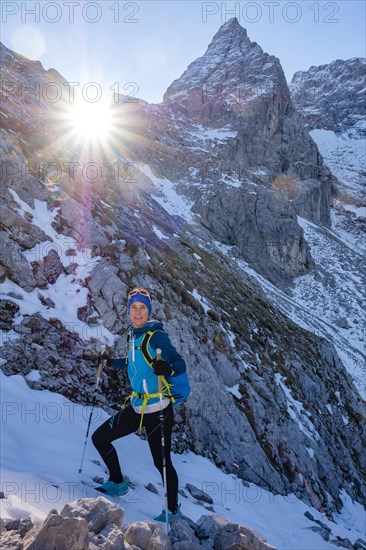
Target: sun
x,y
92,121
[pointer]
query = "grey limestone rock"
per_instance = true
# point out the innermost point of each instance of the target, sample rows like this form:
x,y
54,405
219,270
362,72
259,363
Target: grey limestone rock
x,y
265,230
110,538
199,494
15,264
150,487
58,532
183,530
8,309
83,228
139,534
159,540
108,295
48,270
21,229
209,527
254,140
97,512
236,536
224,77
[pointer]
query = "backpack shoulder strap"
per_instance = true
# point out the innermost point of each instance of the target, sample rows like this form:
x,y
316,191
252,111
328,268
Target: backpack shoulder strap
x,y
145,352
145,346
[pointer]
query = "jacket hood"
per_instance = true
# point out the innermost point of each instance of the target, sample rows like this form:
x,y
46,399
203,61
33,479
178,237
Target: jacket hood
x,y
150,325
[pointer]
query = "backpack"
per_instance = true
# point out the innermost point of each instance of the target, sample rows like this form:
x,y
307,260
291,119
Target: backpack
x,y
179,385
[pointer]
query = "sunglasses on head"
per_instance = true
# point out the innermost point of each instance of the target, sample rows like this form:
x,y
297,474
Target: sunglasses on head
x,y
138,291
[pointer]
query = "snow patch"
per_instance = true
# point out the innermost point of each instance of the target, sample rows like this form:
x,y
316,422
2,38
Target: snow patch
x,y
344,155
212,134
310,451
33,375
204,303
358,211
67,294
159,233
235,391
167,196
345,419
297,412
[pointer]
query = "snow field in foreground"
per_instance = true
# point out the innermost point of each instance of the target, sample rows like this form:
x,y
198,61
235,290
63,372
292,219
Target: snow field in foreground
x,y
42,442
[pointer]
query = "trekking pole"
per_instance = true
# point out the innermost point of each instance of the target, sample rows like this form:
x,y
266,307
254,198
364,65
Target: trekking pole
x,y
99,375
163,453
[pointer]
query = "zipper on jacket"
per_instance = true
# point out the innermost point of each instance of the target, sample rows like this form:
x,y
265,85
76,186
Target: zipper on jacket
x,y
132,342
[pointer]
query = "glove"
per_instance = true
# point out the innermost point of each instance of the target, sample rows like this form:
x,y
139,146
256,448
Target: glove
x,y
161,368
106,359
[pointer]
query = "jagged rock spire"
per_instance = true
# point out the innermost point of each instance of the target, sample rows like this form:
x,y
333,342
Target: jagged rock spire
x,y
233,71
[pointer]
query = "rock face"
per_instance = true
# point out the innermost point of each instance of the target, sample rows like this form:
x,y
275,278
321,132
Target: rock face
x,y
244,168
332,96
330,99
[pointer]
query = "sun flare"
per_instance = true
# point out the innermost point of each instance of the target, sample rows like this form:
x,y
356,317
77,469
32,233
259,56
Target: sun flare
x,y
92,121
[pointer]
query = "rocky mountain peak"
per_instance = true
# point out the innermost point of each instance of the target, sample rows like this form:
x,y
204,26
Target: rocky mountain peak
x,y
232,73
231,28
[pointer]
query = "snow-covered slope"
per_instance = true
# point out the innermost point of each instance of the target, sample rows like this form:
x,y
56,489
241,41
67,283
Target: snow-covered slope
x,y
42,441
345,154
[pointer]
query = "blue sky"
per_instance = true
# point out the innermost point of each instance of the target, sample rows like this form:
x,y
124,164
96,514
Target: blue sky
x,y
140,47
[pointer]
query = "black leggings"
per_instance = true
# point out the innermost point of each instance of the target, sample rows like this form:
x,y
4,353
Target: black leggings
x,y
127,421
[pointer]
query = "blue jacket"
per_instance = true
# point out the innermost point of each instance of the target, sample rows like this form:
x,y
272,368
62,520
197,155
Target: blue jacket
x,y
141,375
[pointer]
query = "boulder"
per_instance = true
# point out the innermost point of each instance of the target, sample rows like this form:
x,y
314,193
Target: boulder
x,y
108,295
52,266
236,536
159,540
15,264
58,532
97,512
199,494
183,530
209,528
110,538
139,534
8,310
